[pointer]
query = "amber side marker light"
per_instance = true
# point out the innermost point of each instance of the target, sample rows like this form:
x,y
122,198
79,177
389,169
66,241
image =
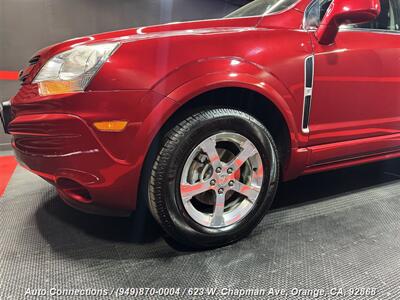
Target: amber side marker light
x,y
48,88
111,126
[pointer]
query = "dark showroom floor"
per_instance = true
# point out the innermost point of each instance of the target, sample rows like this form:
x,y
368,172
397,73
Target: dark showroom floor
x,y
330,231
339,229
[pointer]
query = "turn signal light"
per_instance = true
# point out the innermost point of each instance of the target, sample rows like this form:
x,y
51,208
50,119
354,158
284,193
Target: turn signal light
x,y
111,126
47,88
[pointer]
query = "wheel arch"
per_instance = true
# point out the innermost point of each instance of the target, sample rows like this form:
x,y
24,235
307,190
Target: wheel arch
x,y
247,100
277,119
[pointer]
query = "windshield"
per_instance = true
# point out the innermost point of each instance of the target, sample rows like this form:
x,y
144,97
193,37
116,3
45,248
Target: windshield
x,y
261,7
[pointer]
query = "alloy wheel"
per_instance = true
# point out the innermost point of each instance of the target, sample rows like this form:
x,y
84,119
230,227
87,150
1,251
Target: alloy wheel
x,y
221,180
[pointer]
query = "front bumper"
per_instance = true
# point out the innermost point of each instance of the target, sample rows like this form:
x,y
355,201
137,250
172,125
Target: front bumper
x,y
63,149
97,172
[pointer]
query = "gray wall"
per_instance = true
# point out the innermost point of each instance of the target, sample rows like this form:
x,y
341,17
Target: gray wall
x,y
28,25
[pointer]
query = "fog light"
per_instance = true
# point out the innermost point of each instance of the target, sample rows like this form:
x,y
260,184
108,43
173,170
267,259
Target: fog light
x,y
111,126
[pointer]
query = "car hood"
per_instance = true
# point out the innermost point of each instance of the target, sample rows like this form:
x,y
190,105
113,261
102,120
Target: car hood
x,y
135,34
156,31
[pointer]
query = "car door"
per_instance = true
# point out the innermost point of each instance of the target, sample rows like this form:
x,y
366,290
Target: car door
x,y
356,94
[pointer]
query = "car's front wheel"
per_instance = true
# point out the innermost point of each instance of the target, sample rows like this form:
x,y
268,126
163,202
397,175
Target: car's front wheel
x,y
214,178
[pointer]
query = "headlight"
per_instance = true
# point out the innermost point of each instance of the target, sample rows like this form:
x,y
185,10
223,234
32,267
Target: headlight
x,y
72,70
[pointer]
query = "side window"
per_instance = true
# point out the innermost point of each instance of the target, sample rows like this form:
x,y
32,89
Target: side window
x,y
324,7
387,20
315,13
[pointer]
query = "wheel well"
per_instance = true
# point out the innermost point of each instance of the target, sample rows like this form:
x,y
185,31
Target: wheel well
x,y
245,100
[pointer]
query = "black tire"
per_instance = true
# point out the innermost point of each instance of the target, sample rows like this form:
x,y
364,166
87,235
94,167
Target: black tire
x,y
163,186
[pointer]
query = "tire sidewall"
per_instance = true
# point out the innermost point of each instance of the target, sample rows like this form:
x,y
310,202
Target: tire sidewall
x,y
229,121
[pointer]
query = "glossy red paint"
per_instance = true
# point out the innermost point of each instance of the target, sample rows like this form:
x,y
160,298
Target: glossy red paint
x,y
152,75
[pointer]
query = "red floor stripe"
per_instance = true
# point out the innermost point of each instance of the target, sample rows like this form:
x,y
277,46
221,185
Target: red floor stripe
x,y
7,167
9,75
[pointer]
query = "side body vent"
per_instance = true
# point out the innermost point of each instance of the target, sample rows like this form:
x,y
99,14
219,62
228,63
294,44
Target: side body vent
x,y
308,90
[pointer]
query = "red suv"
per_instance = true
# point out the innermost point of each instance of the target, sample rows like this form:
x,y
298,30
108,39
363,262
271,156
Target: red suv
x,y
201,120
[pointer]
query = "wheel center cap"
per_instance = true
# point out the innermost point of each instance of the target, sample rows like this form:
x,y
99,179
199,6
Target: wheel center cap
x,y
223,180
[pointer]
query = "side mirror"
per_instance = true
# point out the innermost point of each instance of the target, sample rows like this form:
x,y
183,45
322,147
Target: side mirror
x,y
346,12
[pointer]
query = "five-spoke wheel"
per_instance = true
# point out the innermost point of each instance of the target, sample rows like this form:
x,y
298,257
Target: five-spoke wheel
x,y
213,178
221,180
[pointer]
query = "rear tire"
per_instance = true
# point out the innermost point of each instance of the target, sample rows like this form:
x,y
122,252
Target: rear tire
x,y
214,178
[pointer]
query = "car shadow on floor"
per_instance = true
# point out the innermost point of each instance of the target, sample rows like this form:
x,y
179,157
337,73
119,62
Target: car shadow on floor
x,y
324,186
54,218
139,228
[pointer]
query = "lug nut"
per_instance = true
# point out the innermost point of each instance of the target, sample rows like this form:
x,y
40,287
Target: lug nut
x,y
218,170
220,191
230,170
213,182
231,183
